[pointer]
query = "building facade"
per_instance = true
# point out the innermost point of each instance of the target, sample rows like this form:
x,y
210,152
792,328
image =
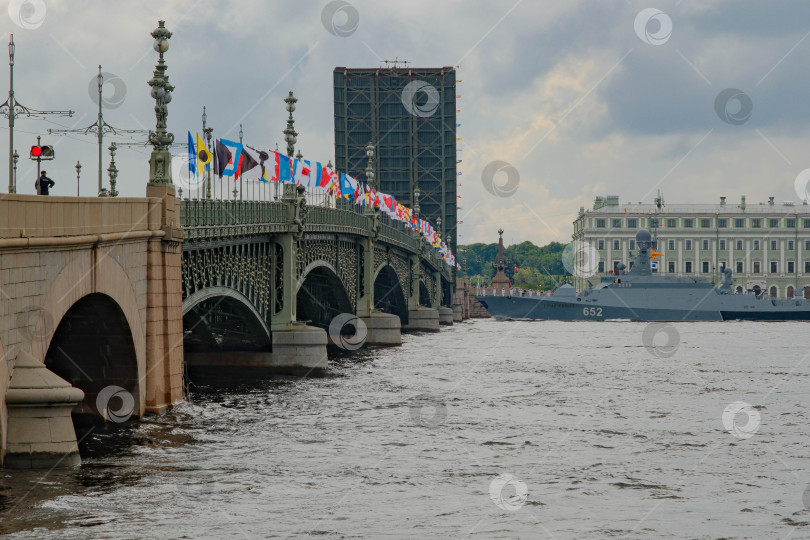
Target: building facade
x,y
766,245
409,115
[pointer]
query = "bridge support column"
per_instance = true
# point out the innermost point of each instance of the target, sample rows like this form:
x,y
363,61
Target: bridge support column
x,y
295,345
445,313
382,328
164,306
458,309
419,317
40,429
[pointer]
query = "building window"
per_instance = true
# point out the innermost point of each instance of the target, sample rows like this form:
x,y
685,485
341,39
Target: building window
x,y
722,223
756,245
756,223
632,245
600,244
722,266
807,245
616,265
773,245
705,265
807,267
756,267
671,244
672,223
671,267
790,223
617,245
688,223
705,223
688,245
722,245
601,267
632,223
706,245
600,223
791,267
739,223
774,267
773,223
739,268
687,267
739,245
617,224
806,223
791,245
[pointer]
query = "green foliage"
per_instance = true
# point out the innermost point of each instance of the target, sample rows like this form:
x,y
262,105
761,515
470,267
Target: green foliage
x,y
534,263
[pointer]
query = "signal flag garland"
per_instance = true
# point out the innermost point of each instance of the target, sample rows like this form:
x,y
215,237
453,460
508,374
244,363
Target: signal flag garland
x,y
272,166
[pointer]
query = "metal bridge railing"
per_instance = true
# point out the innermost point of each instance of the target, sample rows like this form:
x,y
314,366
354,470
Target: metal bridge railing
x,y
228,213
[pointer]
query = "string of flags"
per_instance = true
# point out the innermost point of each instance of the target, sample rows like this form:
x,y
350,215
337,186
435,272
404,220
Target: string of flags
x,y
237,160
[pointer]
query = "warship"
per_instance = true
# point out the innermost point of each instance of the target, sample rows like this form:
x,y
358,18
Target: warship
x,y
637,294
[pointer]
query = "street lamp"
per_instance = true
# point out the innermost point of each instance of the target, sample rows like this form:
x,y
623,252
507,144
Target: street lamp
x,y
416,201
113,171
290,135
78,171
370,165
15,158
160,162
208,132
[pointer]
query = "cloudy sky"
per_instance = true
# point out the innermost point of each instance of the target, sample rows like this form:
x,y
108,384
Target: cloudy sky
x,y
580,98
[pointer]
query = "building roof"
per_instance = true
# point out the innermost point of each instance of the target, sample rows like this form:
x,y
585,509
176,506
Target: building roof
x,y
783,208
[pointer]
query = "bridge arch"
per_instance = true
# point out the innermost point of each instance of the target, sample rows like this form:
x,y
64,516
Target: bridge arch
x,y
222,318
389,295
80,278
93,349
321,295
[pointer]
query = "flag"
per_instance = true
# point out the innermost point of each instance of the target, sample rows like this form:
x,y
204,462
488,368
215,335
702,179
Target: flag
x,y
233,151
655,254
285,171
262,158
654,265
192,155
248,166
301,170
348,186
203,155
222,157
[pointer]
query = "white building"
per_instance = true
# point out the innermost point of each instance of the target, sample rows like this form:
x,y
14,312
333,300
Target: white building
x,y
765,244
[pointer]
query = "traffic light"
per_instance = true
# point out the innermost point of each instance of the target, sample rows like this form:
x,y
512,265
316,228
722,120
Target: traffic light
x,y
42,152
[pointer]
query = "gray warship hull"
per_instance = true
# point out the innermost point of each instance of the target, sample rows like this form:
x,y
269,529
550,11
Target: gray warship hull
x,y
738,307
639,294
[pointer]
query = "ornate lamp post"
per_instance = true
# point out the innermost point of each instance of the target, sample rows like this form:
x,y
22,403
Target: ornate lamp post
x,y
78,172
160,169
15,157
290,135
370,165
113,171
209,131
416,201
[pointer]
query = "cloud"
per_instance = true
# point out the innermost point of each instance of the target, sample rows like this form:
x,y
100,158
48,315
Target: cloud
x,y
566,92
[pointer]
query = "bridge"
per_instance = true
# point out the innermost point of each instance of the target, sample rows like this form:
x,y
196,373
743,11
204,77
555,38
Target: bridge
x,y
105,301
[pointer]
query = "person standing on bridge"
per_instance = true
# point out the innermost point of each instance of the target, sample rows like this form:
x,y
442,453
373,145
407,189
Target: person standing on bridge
x,y
43,184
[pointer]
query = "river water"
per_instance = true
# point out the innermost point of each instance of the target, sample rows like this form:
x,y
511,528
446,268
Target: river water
x,y
488,429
